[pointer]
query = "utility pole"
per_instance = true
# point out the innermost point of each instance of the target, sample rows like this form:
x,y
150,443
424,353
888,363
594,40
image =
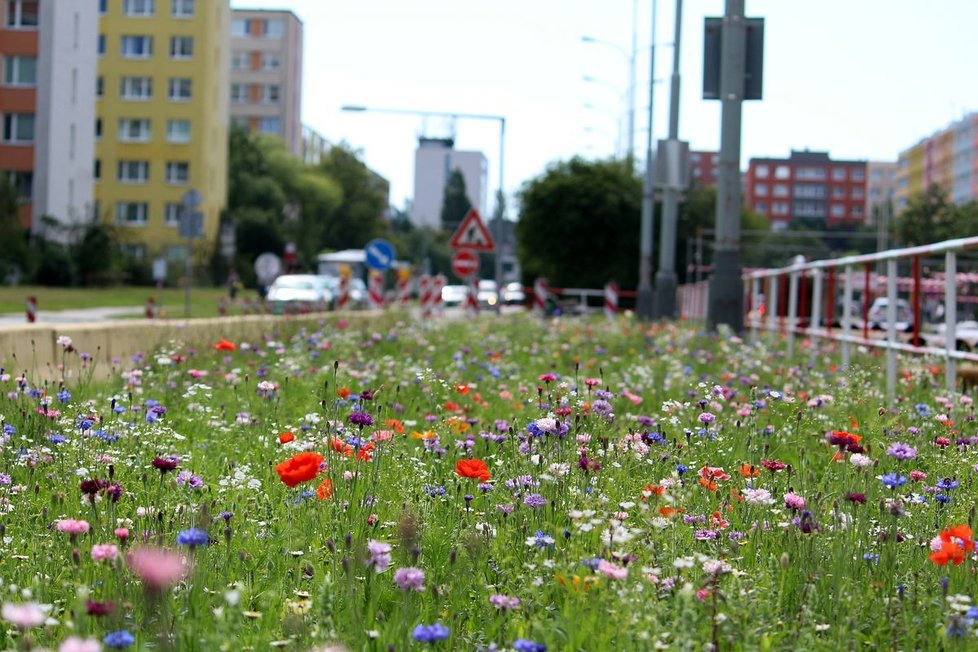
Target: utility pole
x,y
726,288
632,82
643,304
665,279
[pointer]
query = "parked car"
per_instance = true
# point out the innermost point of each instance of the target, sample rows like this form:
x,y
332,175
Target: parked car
x,y
454,295
879,311
488,294
292,290
513,294
358,291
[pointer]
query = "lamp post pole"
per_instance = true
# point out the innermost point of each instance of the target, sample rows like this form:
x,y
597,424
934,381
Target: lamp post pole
x,y
500,197
643,307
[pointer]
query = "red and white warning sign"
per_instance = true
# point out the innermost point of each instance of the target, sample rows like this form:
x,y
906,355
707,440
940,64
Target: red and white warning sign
x,y
472,234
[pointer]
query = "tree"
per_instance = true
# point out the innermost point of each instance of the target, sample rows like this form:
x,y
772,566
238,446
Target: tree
x,y
579,224
15,258
360,215
931,217
455,202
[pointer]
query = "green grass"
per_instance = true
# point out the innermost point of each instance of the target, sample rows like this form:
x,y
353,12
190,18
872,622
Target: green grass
x,y
594,517
204,300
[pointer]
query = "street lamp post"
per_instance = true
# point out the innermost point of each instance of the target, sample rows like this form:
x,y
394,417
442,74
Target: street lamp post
x,y
354,108
643,304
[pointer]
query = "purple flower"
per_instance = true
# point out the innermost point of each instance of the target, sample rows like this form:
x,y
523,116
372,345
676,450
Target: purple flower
x,y
361,419
431,633
535,500
901,451
526,645
380,555
409,579
504,602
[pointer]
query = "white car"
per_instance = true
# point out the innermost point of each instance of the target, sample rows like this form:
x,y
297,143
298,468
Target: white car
x,y
454,295
296,289
513,294
879,311
488,294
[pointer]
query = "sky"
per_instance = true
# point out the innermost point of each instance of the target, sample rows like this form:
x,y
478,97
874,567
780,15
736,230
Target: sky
x,y
861,79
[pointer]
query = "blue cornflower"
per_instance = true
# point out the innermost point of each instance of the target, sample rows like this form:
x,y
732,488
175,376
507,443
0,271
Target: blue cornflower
x,y
681,469
893,480
943,499
871,557
107,437
64,396
525,645
119,639
434,490
541,540
972,613
431,633
591,563
57,439
923,410
192,538
85,424
946,484
9,429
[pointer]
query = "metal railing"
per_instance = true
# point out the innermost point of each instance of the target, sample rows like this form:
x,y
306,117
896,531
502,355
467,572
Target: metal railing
x,y
789,284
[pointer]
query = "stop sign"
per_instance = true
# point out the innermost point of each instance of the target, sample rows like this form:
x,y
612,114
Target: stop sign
x,y
465,263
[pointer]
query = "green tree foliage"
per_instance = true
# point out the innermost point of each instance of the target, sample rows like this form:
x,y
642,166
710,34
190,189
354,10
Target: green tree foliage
x,y
15,258
455,201
931,217
360,216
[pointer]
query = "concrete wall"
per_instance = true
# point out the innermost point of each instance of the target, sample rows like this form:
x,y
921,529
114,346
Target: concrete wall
x,y
33,348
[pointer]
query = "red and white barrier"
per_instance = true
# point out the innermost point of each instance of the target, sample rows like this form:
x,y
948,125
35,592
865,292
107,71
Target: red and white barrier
x,y
375,295
472,297
222,306
611,300
343,294
403,287
439,284
541,290
425,283
150,309
31,309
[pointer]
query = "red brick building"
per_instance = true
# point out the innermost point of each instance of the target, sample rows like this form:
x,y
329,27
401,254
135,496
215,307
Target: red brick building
x,y
807,186
704,167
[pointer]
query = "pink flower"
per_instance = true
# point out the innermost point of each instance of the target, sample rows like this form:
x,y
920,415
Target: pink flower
x,y
102,551
158,567
71,526
917,476
24,616
794,501
409,579
380,555
613,571
75,644
122,533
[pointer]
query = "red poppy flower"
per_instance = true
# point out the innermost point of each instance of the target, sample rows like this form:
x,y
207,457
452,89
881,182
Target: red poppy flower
x,y
475,469
224,345
325,490
286,437
749,471
462,388
343,393
955,543
299,468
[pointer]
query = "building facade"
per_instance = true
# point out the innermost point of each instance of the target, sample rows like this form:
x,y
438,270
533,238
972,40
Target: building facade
x,y
947,159
880,188
434,161
162,117
703,167
47,100
266,74
807,186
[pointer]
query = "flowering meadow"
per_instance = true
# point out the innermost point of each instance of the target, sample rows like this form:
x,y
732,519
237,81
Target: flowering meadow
x,y
503,484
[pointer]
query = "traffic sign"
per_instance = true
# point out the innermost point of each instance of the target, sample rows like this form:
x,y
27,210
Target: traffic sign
x,y
191,224
465,263
472,234
380,254
191,198
267,267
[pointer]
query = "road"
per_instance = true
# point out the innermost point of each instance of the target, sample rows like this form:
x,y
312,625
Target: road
x,y
71,316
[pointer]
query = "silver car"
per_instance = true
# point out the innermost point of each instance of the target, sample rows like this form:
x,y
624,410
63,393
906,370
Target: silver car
x,y
294,290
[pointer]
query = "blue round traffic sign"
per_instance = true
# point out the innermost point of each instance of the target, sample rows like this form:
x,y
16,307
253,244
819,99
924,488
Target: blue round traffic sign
x,y
380,254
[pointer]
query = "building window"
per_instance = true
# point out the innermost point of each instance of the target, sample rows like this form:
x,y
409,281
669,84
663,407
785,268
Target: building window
x,y
182,8
179,89
761,172
97,169
22,14
133,251
177,172
838,174
20,71
838,192
780,190
181,47
838,210
271,62
133,171
857,211
103,7
270,93
99,87
134,130
809,191
782,172
761,207
136,88
857,192
171,214
270,126
178,131
101,45
760,189
810,174
239,93
131,213
240,60
137,47
240,28
779,208
272,28
857,174
18,128
98,128
138,7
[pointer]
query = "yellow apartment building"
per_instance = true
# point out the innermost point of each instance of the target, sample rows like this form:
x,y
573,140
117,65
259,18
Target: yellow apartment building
x,y
162,120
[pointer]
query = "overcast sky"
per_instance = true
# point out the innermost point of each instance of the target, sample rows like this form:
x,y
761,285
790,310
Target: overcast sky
x,y
862,79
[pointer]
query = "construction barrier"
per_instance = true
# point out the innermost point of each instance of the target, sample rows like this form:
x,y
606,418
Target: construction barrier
x,y
375,295
403,287
472,297
425,283
31,310
611,300
436,301
541,291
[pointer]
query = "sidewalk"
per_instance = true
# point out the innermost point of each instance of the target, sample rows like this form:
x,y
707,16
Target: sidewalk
x,y
85,315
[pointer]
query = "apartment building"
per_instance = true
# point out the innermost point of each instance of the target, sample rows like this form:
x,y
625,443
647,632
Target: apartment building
x,y
807,185
162,117
703,167
47,100
266,74
947,159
